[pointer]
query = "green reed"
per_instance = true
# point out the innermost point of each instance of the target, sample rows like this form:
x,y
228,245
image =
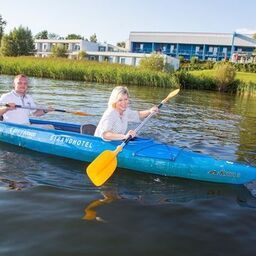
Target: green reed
x,y
81,70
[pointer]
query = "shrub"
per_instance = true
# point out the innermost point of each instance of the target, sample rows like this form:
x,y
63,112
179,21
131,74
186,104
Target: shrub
x,y
81,55
154,63
59,51
225,76
182,59
193,60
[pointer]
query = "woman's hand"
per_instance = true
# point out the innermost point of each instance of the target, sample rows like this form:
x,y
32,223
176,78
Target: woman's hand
x,y
154,110
130,133
144,113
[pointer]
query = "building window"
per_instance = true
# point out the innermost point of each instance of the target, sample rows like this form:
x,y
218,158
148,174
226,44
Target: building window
x,y
122,60
102,48
77,47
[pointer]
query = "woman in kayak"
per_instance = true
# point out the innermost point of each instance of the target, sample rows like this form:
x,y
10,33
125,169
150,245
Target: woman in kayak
x,y
114,122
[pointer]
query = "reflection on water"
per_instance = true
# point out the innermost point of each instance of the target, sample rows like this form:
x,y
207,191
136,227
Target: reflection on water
x,y
54,196
153,190
90,210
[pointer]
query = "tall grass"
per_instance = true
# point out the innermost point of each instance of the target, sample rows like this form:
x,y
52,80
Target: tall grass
x,y
205,79
104,72
89,71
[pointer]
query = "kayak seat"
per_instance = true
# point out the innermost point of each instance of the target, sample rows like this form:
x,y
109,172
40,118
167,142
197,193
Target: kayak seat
x,y
87,129
1,118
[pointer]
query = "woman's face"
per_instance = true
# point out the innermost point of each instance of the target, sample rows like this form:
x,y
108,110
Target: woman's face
x,y
122,103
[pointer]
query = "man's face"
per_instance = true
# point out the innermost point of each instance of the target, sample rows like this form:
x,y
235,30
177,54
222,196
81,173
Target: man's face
x,y
21,85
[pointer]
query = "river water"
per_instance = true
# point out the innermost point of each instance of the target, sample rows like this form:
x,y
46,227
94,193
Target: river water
x,y
49,207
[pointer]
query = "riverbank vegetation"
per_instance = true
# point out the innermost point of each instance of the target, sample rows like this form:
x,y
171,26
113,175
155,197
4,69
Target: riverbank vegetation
x,y
88,71
222,76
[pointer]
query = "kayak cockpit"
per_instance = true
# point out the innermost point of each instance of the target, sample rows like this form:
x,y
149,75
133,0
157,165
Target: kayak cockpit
x,y
77,128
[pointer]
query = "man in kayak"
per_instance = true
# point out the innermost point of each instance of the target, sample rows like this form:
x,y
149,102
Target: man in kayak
x,y
114,122
18,96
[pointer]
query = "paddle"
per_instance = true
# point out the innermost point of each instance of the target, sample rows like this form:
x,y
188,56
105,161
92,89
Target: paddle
x,y
58,110
100,170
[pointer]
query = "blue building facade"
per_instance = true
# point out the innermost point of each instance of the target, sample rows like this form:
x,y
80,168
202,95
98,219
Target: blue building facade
x,y
204,46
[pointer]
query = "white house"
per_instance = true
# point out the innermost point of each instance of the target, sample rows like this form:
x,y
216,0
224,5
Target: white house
x,y
96,51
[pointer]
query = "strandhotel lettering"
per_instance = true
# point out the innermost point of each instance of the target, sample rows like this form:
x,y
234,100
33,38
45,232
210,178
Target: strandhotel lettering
x,y
69,140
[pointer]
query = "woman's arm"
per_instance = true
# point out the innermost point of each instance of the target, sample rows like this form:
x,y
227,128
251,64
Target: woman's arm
x,y
118,136
144,113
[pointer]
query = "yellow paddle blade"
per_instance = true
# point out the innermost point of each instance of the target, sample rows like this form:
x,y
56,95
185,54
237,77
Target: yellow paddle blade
x,y
170,95
100,170
81,113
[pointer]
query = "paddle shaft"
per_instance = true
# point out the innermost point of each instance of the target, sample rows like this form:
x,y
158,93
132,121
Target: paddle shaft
x,y
33,108
141,124
55,109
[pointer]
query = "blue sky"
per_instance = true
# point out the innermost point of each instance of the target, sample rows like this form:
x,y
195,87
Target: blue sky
x,y
112,20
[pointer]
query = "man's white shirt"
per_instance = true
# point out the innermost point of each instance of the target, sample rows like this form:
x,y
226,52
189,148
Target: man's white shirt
x,y
18,115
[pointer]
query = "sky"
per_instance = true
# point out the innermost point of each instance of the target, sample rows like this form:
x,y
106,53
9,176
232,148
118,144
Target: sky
x,y
113,20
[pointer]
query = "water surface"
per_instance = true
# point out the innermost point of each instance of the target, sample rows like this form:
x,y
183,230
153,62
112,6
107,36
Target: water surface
x,y
49,207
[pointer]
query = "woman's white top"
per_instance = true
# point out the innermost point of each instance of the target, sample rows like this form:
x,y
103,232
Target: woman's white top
x,y
18,115
112,121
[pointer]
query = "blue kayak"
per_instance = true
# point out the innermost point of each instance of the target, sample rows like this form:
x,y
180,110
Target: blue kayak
x,y
140,154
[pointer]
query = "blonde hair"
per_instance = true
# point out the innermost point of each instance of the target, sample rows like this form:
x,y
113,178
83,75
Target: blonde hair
x,y
118,90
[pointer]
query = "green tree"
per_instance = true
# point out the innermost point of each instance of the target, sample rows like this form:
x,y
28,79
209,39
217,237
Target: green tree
x,y
74,36
2,26
18,42
121,44
155,63
59,50
93,38
42,35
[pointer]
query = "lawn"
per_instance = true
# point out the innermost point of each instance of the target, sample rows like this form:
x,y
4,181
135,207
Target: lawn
x,y
243,76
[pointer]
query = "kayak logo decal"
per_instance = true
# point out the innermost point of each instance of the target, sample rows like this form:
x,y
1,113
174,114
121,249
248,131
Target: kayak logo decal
x,y
224,173
22,132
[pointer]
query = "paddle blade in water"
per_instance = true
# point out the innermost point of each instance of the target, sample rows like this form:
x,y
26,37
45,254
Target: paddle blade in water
x,y
100,170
